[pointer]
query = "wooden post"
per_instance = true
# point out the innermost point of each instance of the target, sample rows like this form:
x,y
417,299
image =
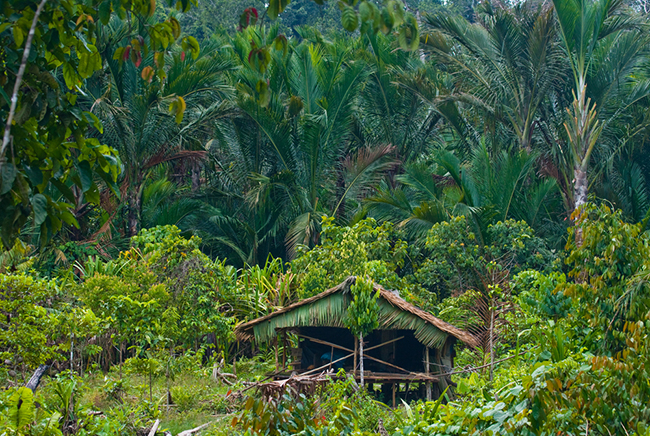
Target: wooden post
x,y
277,360
361,357
394,403
284,351
427,372
356,347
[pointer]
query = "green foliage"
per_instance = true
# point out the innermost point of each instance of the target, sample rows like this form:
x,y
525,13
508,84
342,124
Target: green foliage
x,y
21,409
362,316
49,150
165,292
344,390
460,259
608,261
541,294
291,414
366,248
30,326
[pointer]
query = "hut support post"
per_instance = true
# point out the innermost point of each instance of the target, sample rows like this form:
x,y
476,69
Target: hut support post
x,y
394,391
277,360
426,371
284,351
361,357
356,347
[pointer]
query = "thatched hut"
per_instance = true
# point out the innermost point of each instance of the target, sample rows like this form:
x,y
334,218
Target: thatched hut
x,y
410,353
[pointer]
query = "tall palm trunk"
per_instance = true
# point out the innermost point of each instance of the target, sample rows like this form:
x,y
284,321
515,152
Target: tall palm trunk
x,y
580,187
134,201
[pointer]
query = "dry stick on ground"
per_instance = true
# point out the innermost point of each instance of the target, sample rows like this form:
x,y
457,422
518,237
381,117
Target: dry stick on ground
x,y
261,381
154,428
19,78
194,430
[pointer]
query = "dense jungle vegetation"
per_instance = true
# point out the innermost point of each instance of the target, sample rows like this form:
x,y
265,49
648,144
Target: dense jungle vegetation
x,y
170,170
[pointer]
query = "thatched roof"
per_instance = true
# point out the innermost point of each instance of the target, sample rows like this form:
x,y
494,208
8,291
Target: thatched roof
x,y
327,309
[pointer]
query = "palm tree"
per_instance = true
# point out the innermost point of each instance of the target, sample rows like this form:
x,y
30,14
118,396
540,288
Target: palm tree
x,y
282,165
133,108
604,46
487,188
505,65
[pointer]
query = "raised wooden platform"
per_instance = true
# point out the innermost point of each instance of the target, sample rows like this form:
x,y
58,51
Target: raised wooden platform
x,y
375,377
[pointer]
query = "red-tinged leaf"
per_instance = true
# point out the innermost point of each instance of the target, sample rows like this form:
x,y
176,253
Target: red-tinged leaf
x,y
127,52
183,56
138,59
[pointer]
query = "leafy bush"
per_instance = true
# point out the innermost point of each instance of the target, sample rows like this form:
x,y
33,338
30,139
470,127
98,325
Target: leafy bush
x,y
31,324
184,398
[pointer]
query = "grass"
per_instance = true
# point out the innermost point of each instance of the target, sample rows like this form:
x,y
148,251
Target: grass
x,y
196,397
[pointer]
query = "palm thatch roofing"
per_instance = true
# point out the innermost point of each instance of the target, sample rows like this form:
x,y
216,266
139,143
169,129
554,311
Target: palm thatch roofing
x,y
328,309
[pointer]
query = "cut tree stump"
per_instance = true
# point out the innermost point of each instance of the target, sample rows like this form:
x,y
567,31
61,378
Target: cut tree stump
x,y
36,377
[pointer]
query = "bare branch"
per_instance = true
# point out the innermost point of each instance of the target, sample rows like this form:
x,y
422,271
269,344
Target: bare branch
x,y
19,79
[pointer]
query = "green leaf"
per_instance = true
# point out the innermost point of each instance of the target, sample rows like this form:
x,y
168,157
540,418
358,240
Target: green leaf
x,y
105,11
39,203
64,190
92,118
276,7
69,75
34,174
119,54
68,218
349,18
19,35
262,89
387,21
8,176
195,49
366,11
408,34
85,69
86,175
21,408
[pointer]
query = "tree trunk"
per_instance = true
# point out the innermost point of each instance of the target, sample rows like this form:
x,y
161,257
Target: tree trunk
x,y
361,358
581,190
133,216
121,358
196,176
356,356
